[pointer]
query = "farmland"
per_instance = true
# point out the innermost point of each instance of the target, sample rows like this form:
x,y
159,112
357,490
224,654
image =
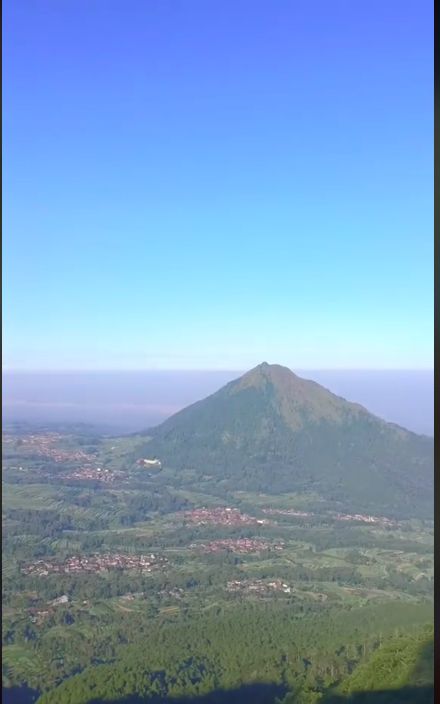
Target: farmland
x,y
89,566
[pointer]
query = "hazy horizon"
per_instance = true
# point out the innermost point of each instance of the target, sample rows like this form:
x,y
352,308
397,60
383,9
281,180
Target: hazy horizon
x,y
126,401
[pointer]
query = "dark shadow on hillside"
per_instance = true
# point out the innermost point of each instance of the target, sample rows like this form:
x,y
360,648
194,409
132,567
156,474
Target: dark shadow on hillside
x,y
246,694
19,695
421,690
251,694
404,695
423,671
269,694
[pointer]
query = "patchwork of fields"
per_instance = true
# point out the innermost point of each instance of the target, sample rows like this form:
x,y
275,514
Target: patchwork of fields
x,y
58,623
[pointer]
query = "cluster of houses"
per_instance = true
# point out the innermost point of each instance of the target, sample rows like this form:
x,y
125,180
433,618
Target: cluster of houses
x,y
379,520
42,445
258,586
32,440
223,516
238,545
95,563
286,512
92,474
8,439
57,455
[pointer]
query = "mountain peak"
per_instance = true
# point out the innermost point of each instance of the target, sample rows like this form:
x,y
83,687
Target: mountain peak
x,y
271,372
271,430
299,400
266,367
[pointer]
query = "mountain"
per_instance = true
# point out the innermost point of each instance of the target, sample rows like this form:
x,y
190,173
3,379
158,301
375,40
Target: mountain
x,y
273,431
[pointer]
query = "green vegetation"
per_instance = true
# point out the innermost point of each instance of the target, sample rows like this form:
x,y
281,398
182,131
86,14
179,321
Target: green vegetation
x,y
265,644
401,661
236,573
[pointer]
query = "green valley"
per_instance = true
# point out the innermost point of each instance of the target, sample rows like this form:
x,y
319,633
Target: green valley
x,y
283,567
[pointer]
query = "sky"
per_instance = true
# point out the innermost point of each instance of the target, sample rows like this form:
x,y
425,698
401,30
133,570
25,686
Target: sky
x,y
207,185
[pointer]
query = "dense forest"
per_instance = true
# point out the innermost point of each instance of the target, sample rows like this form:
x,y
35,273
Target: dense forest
x,y
266,645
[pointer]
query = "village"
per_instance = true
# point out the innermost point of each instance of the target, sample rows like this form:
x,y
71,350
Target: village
x,y
223,516
42,446
258,586
42,440
94,564
286,512
58,455
238,545
92,474
360,517
378,520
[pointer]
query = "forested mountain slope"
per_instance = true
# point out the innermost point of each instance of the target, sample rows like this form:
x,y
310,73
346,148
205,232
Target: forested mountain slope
x,y
272,431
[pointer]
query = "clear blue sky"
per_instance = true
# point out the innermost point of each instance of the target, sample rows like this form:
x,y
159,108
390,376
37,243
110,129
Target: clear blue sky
x,y
214,183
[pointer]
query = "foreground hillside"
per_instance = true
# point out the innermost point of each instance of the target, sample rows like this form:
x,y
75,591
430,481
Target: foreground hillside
x,y
399,672
253,654
272,431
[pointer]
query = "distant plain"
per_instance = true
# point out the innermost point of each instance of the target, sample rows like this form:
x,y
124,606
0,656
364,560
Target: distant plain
x,y
129,401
